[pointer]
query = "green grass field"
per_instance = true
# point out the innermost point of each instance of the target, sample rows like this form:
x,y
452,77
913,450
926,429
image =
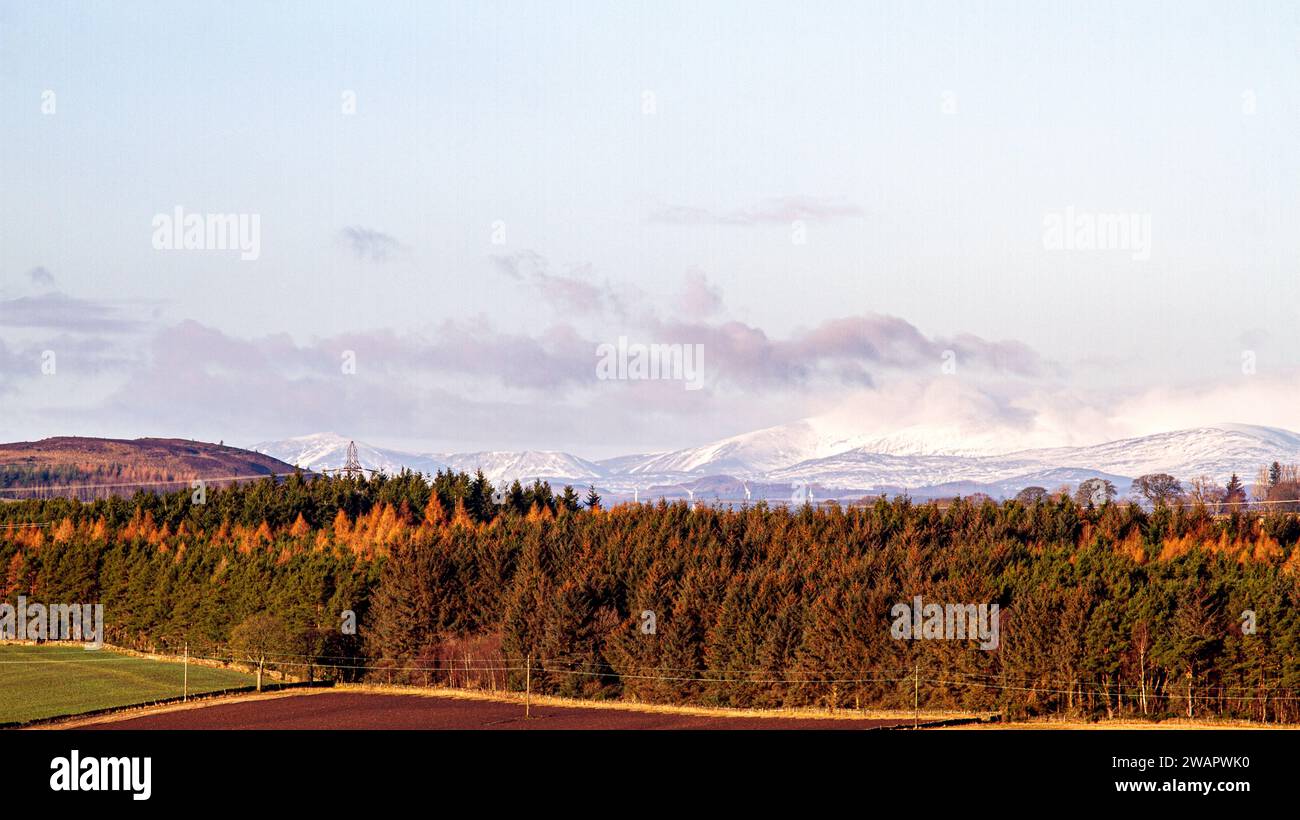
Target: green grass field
x,y
49,681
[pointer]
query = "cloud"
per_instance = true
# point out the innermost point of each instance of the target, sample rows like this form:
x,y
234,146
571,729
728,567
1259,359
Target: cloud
x,y
471,379
518,265
572,293
476,383
698,299
195,380
41,278
370,245
777,211
58,311
469,384
848,350
90,343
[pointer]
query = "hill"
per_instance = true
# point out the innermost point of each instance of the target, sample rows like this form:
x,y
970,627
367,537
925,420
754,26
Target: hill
x,y
95,467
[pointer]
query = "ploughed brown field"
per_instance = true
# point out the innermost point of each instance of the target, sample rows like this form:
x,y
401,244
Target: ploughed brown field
x,y
358,710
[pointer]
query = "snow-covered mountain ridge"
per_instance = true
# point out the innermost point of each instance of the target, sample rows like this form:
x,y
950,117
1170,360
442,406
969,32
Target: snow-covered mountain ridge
x,y
810,452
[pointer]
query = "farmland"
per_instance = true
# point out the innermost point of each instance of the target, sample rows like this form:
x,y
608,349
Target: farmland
x,y
38,682
358,709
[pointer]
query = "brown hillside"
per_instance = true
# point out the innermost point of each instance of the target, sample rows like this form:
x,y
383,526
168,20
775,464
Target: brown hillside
x,y
73,466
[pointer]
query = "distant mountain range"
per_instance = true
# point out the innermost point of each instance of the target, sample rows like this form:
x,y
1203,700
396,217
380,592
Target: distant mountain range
x,y
775,463
833,463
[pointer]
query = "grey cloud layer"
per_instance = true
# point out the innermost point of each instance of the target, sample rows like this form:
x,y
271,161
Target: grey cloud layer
x,y
58,311
41,278
470,379
368,244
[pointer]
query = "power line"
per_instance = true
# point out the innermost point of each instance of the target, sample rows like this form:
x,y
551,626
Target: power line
x,y
458,664
158,483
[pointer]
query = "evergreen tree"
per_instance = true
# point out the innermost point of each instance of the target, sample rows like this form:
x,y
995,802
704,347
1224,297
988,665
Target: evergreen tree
x,y
516,500
478,500
570,500
1113,611
1234,493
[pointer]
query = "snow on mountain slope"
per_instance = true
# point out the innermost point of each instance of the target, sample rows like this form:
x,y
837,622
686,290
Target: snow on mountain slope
x,y
618,465
832,455
321,451
1216,451
863,470
761,451
752,455
525,466
745,455
947,440
329,451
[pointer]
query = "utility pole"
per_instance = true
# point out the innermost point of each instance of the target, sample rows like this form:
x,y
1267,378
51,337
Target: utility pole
x,y
916,695
528,687
185,688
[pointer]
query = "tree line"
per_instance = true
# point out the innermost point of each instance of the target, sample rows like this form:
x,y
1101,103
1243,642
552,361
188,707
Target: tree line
x,y
1105,609
1275,485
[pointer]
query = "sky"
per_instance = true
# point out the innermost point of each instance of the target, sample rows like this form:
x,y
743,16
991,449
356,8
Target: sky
x,y
850,208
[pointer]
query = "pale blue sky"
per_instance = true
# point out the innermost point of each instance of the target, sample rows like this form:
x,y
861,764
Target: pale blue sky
x,y
531,114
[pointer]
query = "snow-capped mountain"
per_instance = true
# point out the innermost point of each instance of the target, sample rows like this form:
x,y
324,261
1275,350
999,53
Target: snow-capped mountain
x,y
327,451
761,452
525,466
815,453
321,451
746,455
1216,451
871,470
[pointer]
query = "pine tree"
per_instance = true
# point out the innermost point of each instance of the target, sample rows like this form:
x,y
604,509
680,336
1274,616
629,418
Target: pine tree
x,y
569,500
516,500
479,500
593,499
1234,493
1274,474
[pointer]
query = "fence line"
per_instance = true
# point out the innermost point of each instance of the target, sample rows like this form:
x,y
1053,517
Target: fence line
x,y
555,666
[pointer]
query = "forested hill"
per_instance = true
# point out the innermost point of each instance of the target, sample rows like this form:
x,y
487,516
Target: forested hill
x,y
85,468
1107,611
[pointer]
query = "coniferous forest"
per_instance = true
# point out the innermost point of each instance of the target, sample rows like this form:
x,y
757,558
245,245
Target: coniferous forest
x,y
1107,611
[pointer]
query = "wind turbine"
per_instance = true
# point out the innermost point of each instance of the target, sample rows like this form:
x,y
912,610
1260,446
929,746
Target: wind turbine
x,y
745,484
691,493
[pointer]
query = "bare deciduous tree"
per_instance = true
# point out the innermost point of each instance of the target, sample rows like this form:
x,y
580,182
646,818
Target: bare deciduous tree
x,y
1031,495
1205,492
1094,491
1159,489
